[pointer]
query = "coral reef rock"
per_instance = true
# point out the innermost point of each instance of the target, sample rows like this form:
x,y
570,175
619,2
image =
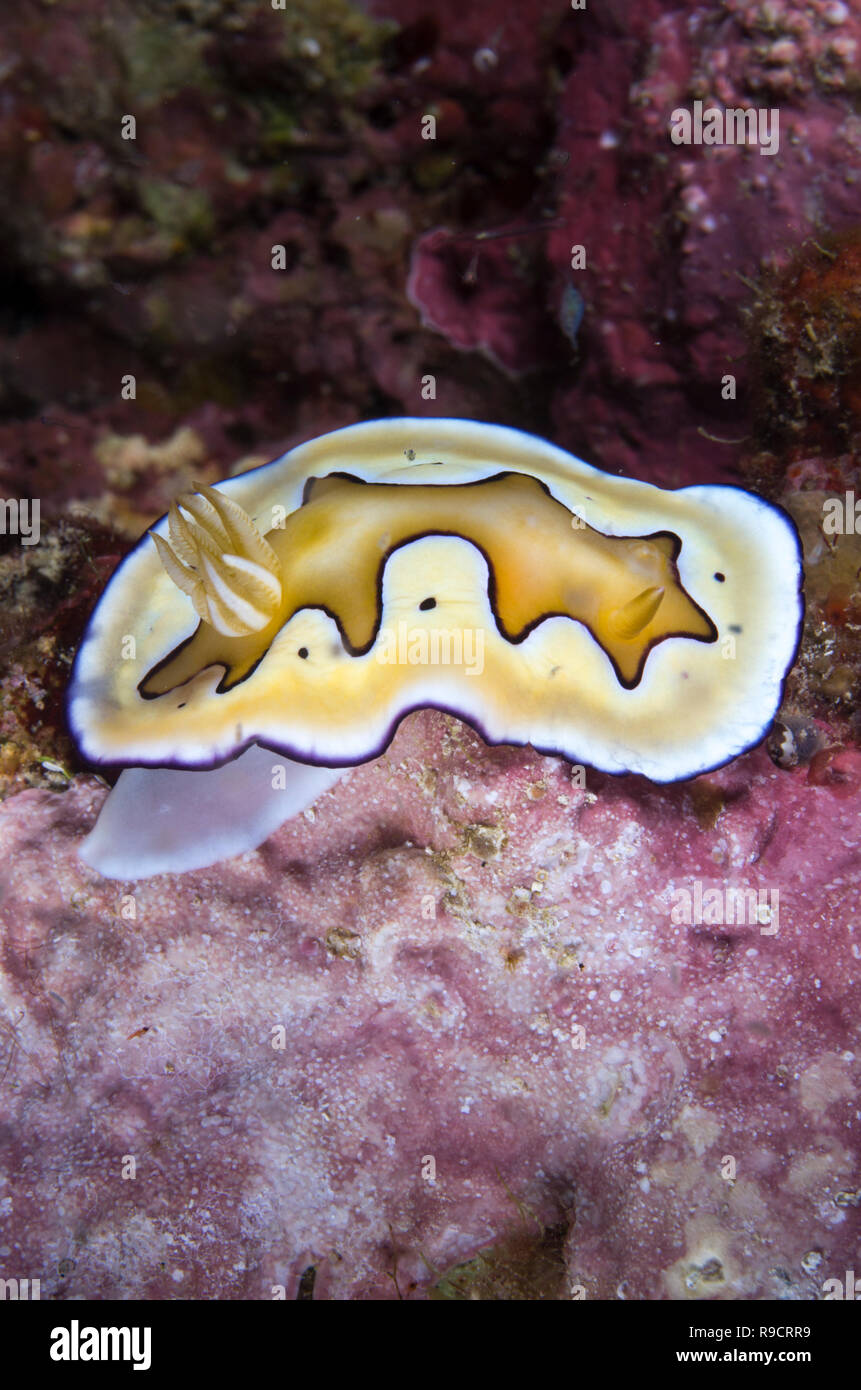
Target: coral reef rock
x,y
475,1025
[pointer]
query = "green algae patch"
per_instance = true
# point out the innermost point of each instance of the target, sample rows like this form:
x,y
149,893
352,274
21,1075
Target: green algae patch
x,y
334,45
524,1267
162,58
182,213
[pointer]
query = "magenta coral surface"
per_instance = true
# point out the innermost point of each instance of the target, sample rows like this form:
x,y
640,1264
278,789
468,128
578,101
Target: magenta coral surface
x,y
438,1013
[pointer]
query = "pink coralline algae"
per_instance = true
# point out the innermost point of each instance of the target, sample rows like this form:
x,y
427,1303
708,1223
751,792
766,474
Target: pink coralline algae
x,y
473,293
468,1016
677,236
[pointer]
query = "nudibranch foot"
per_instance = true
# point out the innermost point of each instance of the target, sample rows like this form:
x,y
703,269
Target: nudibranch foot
x,y
161,821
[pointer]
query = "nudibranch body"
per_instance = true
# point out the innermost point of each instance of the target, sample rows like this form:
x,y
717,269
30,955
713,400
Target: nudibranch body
x,y
306,606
